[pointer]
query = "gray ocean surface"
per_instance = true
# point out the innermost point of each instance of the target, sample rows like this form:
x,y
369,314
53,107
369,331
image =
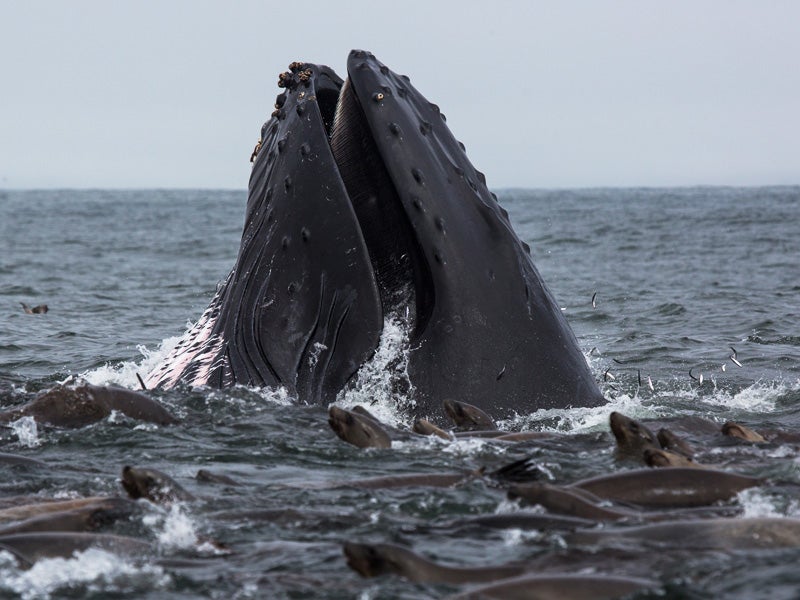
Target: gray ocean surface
x,y
680,277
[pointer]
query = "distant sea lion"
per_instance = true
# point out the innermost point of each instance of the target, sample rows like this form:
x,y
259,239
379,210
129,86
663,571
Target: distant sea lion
x,y
18,460
372,560
78,406
567,586
153,485
727,534
357,429
742,432
668,487
36,310
208,477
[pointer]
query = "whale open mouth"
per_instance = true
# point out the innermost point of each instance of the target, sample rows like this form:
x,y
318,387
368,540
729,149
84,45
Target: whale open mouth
x,y
363,209
401,270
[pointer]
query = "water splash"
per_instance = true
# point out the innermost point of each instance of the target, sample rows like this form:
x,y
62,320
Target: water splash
x,y
174,528
757,503
519,537
95,568
383,383
124,374
580,419
27,432
760,397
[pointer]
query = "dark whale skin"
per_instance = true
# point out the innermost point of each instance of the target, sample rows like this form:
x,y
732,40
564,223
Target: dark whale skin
x,y
304,305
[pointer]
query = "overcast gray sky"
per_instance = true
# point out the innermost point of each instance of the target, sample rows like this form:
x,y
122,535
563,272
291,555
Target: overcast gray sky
x,y
543,94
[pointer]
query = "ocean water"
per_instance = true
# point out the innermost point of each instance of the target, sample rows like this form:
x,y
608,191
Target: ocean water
x,y
681,277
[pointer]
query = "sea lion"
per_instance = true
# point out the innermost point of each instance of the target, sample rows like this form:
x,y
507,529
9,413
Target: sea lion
x,y
656,457
44,507
357,429
393,432
566,501
742,432
567,586
631,435
89,517
520,520
522,470
578,503
425,427
480,433
360,409
668,487
36,310
725,534
78,406
30,547
524,436
22,461
208,477
153,485
671,441
466,416
372,560
409,480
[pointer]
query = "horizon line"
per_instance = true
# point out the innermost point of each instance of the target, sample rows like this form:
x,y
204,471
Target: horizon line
x,y
495,189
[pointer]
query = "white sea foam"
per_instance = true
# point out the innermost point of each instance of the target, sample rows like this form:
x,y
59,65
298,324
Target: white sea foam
x,y
95,568
279,396
178,530
380,377
760,397
124,373
174,528
506,506
517,537
26,430
580,419
756,503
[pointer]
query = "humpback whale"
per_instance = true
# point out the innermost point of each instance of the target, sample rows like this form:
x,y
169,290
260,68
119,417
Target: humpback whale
x,y
363,207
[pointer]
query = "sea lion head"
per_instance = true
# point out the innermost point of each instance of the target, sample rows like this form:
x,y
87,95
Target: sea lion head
x,y
632,437
357,429
467,416
371,560
153,485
